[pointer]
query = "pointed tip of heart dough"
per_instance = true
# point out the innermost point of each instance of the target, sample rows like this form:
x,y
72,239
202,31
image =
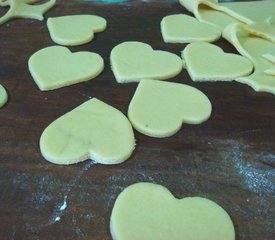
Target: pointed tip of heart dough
x,y
93,130
169,217
133,61
3,96
159,109
74,30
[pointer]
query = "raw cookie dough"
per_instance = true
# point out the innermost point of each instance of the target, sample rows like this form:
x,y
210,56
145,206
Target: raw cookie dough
x,y
3,96
158,109
93,130
25,9
208,62
76,29
223,14
55,67
133,61
181,28
254,48
146,211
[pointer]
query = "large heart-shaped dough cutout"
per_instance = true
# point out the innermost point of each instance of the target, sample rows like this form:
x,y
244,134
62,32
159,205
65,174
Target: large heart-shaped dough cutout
x,y
55,67
158,109
76,29
208,62
93,130
181,28
146,211
133,61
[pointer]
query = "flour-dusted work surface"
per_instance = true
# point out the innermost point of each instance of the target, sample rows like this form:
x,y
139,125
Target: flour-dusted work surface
x,y
228,159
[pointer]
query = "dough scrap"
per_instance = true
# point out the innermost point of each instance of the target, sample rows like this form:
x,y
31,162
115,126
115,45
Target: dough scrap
x,y
76,29
133,61
254,48
223,14
158,109
149,211
181,28
25,9
208,62
55,67
93,130
3,96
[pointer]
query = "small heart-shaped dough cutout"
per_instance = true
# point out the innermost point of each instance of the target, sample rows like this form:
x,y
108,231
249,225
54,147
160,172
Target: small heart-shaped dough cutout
x,y
158,109
208,62
133,61
55,67
93,130
76,29
146,211
3,96
181,28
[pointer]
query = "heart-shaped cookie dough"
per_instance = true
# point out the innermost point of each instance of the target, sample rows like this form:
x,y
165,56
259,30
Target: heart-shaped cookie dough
x,y
76,29
181,28
55,67
3,96
93,130
133,61
208,62
158,109
146,211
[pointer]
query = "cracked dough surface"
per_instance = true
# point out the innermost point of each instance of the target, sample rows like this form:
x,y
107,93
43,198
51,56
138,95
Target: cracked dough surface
x,y
146,211
75,29
158,109
93,130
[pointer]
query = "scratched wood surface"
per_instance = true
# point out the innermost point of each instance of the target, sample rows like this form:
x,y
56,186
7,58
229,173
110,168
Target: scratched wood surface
x,y
229,159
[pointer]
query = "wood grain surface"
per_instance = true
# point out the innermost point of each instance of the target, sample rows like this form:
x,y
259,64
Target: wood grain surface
x,y
229,159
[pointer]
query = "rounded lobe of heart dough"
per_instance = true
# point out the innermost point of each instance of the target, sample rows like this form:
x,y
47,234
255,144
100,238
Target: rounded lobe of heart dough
x,y
133,61
76,29
148,211
158,109
181,28
208,62
3,96
55,67
93,130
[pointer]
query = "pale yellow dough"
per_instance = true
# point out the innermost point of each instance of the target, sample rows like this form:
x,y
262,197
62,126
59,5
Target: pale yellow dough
x,y
75,30
254,48
133,61
146,211
55,67
93,130
181,28
3,96
208,62
223,14
158,109
25,9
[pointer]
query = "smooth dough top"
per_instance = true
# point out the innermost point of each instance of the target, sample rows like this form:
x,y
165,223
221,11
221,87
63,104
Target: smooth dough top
x,y
93,130
133,61
146,211
181,28
76,29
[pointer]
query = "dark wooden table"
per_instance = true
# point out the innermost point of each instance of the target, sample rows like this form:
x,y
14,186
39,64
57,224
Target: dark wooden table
x,y
229,159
